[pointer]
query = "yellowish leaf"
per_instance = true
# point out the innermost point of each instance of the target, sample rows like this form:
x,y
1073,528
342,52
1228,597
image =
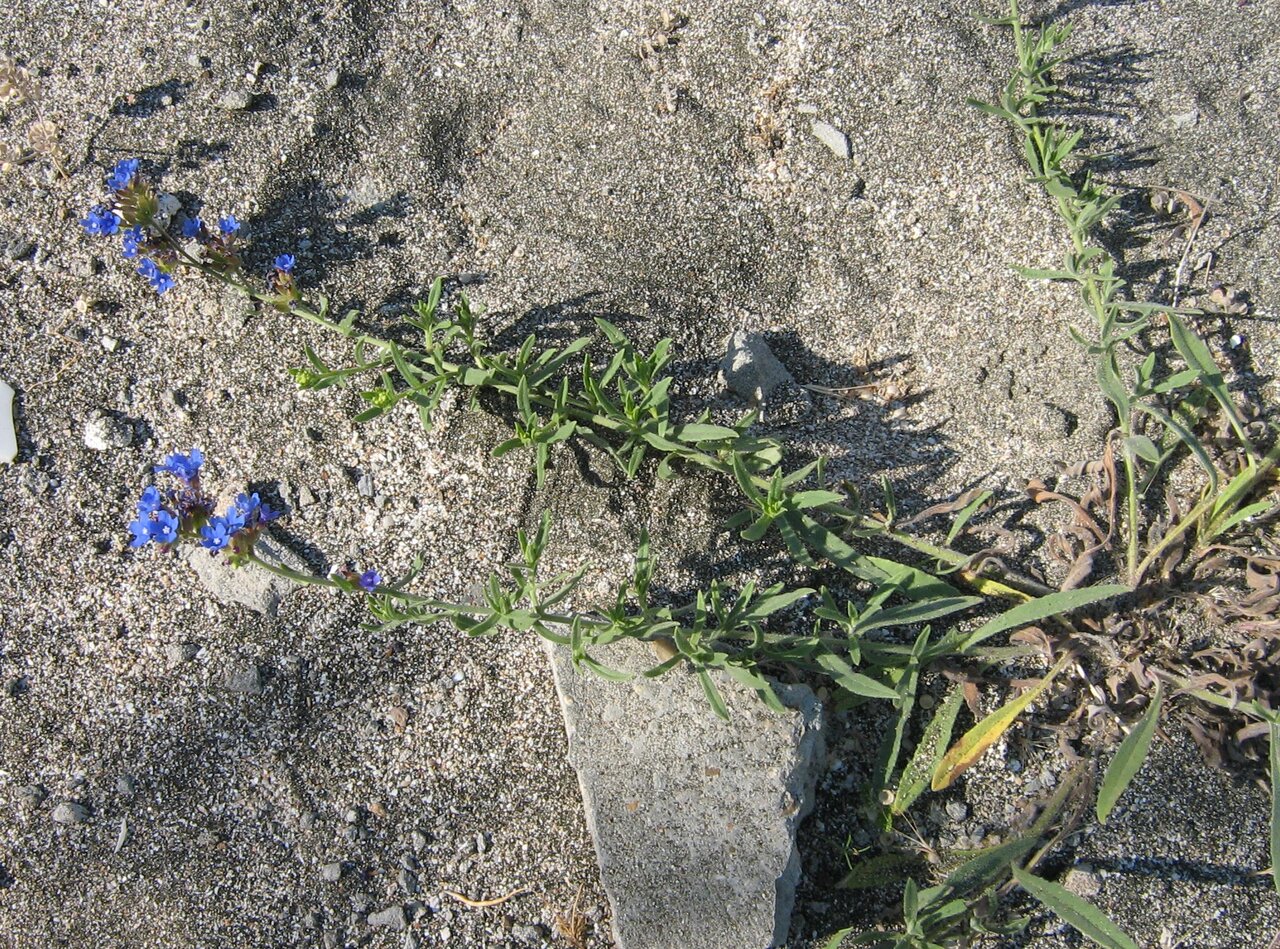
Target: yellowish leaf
x,y
987,732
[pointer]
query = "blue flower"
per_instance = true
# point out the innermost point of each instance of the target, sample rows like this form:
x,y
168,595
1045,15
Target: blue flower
x,y
132,238
159,280
122,175
164,529
191,227
228,225
369,581
186,468
149,502
217,535
159,525
284,263
101,221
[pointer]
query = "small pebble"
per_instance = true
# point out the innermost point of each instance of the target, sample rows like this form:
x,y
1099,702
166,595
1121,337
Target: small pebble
x,y
419,840
105,432
408,882
393,917
32,795
331,79
110,343
247,680
127,785
331,872
832,137
237,100
69,812
178,653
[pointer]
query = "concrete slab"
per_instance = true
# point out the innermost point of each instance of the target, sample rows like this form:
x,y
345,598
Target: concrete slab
x,y
694,818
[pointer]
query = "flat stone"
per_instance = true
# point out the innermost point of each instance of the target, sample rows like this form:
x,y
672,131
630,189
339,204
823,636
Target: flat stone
x,y
331,872
694,818
248,586
393,917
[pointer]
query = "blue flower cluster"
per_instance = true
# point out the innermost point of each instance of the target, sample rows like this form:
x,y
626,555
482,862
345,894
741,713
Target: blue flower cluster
x,y
165,517
160,246
123,174
245,518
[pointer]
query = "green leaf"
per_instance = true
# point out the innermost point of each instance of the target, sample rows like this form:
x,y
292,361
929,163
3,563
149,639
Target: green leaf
x,y
1080,913
1143,447
804,500
1196,354
1024,614
917,612
989,865
851,681
713,694
758,683
965,514
603,671
1129,758
933,743
876,871
1034,273
1112,386
612,334
697,432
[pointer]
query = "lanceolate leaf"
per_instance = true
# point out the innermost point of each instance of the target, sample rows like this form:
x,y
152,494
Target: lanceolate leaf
x,y
1040,608
1080,913
933,743
1192,348
988,731
1129,758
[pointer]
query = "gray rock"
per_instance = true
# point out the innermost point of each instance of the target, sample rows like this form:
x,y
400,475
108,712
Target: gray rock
x,y
236,100
393,917
32,796
127,785
365,485
750,368
331,79
331,872
106,432
69,812
248,586
178,653
526,934
408,881
754,374
419,840
832,137
18,248
246,679
682,803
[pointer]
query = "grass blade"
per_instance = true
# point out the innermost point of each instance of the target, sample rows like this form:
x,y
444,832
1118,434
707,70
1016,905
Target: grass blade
x,y
987,732
1129,758
1080,913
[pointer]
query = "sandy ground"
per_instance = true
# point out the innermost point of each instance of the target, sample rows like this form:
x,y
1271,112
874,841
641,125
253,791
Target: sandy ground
x,y
574,160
